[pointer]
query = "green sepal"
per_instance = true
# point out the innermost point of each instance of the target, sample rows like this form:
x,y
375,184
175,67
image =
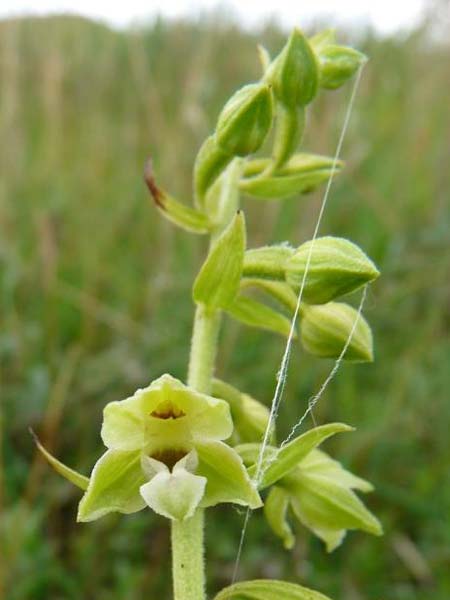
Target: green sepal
x,y
336,267
71,475
267,262
319,463
301,174
218,281
268,589
227,477
325,329
338,64
245,120
211,161
187,218
256,314
275,510
113,486
290,124
288,457
294,73
327,508
303,481
250,417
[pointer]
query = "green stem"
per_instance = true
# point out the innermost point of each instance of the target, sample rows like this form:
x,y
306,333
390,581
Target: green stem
x,y
188,568
187,558
203,349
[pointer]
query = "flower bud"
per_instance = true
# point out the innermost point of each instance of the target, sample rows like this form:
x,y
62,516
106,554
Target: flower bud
x,y
336,267
294,73
326,328
245,120
337,65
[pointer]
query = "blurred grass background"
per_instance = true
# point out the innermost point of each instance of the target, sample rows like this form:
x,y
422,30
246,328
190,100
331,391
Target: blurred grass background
x,y
95,298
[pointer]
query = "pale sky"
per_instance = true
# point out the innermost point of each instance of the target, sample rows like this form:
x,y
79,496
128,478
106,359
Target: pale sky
x,y
384,15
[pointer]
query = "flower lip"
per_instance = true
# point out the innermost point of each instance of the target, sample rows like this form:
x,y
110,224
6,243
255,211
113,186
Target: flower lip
x,y
169,456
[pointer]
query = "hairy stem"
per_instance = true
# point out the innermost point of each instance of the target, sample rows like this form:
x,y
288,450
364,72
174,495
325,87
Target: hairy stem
x,y
203,349
187,558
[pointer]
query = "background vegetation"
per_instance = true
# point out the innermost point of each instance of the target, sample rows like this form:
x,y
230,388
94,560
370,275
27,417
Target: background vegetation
x,y
95,298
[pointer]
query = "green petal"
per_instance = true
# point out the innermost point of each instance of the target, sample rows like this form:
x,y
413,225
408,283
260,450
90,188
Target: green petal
x,y
290,455
113,486
275,511
227,477
268,589
131,424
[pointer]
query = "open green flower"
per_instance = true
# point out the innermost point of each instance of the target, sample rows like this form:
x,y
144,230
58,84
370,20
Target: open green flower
x,y
320,493
165,450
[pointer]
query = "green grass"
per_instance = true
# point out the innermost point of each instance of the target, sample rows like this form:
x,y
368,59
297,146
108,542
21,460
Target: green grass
x,y
95,298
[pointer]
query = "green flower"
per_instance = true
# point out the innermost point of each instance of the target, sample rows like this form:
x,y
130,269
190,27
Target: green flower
x,y
319,491
165,450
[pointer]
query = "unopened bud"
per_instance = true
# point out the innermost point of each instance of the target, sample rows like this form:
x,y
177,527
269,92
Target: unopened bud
x,y
335,267
245,120
337,65
294,73
326,329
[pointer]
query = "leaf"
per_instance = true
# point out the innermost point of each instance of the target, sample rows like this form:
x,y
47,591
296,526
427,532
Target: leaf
x,y
70,474
113,486
290,455
218,281
268,589
255,314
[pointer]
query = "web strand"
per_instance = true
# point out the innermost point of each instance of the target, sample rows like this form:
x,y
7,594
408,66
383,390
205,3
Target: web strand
x,y
282,373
